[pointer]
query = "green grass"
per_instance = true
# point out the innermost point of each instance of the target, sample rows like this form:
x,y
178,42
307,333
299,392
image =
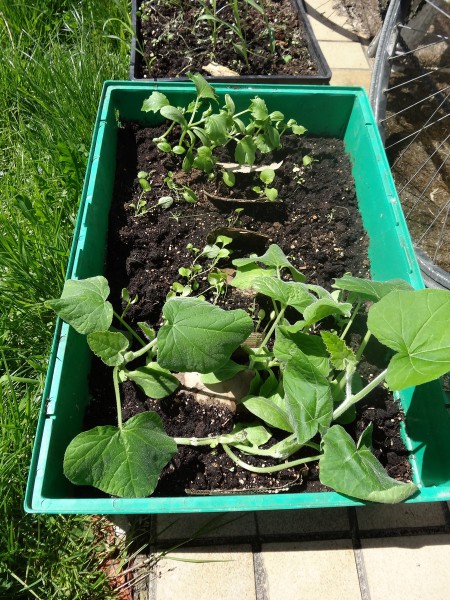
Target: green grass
x,y
55,56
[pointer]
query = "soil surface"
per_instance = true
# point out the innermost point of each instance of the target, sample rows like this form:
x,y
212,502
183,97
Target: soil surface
x,y
174,41
315,220
318,226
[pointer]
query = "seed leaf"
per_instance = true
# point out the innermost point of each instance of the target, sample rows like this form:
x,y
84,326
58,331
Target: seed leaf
x,y
255,434
309,399
228,371
110,346
356,472
416,325
83,304
199,336
154,381
268,411
122,462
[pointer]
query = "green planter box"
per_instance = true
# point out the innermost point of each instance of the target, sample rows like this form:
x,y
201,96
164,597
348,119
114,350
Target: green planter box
x,y
332,111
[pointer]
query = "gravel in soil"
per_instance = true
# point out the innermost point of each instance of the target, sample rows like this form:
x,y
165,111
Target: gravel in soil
x,y
174,40
316,223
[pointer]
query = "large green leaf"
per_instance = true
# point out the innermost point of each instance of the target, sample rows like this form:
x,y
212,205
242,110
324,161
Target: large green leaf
x,y
308,396
123,462
288,293
83,304
288,344
367,289
356,472
110,346
416,325
154,381
199,336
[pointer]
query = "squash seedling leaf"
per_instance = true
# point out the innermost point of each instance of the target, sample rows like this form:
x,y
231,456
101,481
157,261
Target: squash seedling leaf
x,y
83,305
273,257
268,411
416,325
356,472
308,396
198,336
122,462
154,381
289,293
288,344
110,346
367,289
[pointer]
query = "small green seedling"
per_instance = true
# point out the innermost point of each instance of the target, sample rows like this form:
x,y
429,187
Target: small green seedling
x,y
195,274
266,176
181,192
235,218
140,208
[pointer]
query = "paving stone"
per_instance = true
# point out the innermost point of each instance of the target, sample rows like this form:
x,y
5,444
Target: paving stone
x,y
352,77
325,30
328,9
205,525
303,521
400,515
230,578
344,55
322,570
415,567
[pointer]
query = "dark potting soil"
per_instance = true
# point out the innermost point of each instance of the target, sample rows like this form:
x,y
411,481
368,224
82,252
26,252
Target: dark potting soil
x,y
174,41
316,223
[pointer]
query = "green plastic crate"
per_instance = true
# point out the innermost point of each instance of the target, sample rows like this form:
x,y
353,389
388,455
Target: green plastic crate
x,y
330,111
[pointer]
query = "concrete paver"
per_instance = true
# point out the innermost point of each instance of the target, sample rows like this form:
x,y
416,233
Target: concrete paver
x,y
400,515
416,568
303,521
358,77
206,526
344,55
314,570
230,576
